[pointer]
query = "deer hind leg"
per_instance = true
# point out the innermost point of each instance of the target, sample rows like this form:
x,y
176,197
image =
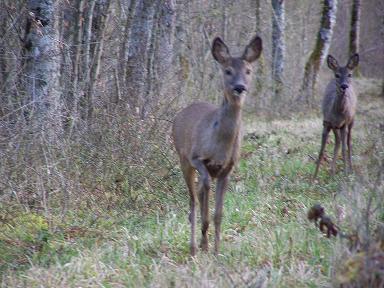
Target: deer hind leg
x,y
336,150
344,132
349,143
204,189
221,187
189,176
324,138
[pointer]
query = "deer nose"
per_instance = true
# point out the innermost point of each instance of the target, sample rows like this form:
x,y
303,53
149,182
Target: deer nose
x,y
239,88
344,86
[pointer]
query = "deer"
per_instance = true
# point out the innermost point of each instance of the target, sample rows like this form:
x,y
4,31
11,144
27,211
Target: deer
x,y
339,108
207,138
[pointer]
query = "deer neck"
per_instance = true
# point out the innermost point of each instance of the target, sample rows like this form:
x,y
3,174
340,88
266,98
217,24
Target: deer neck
x,y
229,120
341,102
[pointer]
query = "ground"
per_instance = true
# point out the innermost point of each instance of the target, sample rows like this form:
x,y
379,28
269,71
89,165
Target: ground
x,y
267,239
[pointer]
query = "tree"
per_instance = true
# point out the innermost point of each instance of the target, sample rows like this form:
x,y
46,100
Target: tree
x,y
138,55
161,55
278,47
323,42
260,74
42,62
354,33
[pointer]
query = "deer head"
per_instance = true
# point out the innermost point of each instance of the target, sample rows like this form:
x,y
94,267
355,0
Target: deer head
x,y
343,74
236,70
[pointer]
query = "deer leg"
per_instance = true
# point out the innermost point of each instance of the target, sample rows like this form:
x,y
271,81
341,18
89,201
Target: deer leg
x,y
189,175
204,187
349,143
336,150
221,187
324,138
344,132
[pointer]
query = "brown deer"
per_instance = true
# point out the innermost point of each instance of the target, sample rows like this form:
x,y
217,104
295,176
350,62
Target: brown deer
x,y
208,138
339,107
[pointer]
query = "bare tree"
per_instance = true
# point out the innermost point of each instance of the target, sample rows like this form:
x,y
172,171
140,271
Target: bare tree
x,y
43,65
323,41
138,54
224,22
124,48
260,74
99,28
278,47
354,33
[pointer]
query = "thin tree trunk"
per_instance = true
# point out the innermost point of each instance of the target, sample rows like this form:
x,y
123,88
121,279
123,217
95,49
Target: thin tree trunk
x,y
278,47
124,48
260,65
354,33
98,51
87,39
316,59
224,22
78,35
382,90
148,101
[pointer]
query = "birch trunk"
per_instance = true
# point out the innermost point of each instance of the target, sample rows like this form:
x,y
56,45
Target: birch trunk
x,y
42,64
323,42
354,33
278,47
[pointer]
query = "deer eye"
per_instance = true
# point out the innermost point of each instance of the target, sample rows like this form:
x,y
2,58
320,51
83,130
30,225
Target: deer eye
x,y
248,71
337,75
228,72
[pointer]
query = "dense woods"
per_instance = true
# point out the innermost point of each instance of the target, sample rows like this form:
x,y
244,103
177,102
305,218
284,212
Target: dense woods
x,y
89,90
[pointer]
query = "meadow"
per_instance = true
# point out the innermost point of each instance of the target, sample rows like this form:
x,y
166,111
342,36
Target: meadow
x,y
267,238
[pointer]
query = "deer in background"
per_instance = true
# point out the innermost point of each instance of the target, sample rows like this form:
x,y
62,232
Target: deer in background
x,y
339,107
208,138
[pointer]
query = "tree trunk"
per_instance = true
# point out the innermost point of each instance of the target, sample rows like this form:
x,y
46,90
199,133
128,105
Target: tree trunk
x,y
316,59
124,48
224,22
278,47
138,55
354,33
78,35
43,65
260,75
382,90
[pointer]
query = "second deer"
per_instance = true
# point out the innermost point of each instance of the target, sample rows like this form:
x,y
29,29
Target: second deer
x,y
207,138
339,107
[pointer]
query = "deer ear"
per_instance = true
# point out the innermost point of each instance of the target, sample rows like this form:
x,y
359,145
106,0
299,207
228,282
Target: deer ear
x,y
253,50
332,63
220,51
353,61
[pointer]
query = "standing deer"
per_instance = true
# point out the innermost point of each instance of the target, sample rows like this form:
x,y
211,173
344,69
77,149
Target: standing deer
x,y
208,138
339,107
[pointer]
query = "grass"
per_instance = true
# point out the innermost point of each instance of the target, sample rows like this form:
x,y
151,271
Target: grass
x,y
267,240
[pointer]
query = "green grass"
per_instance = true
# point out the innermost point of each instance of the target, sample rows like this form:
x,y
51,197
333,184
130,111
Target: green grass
x,y
267,239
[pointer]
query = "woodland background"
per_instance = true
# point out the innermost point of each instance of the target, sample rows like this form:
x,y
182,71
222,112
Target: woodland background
x,y
88,91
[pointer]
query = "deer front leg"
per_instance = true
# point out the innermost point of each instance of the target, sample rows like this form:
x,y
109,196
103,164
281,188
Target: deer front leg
x,y
204,187
324,138
189,175
349,143
221,187
336,150
344,132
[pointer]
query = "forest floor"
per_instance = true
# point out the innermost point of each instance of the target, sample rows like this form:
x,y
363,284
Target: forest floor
x,y
267,239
